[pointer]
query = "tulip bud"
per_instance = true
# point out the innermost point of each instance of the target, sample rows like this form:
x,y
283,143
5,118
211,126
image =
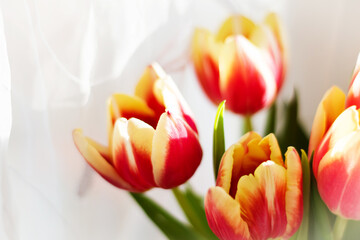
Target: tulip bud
x,y
257,195
153,139
244,64
332,105
335,141
336,165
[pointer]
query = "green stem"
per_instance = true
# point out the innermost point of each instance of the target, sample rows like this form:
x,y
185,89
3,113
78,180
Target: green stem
x,y
339,228
247,124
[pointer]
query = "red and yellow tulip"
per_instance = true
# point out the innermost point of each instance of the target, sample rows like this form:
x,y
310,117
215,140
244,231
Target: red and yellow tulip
x,y
335,140
243,64
331,106
257,195
153,140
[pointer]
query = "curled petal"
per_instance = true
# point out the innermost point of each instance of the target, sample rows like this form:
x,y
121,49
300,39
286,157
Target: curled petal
x,y
262,200
273,22
132,144
235,25
244,157
270,145
205,54
160,93
91,154
166,91
125,106
346,123
244,69
234,164
336,166
338,177
294,193
145,88
330,107
278,47
353,97
176,151
223,215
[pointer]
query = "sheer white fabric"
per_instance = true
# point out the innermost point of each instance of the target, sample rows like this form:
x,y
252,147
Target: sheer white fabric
x,y
66,57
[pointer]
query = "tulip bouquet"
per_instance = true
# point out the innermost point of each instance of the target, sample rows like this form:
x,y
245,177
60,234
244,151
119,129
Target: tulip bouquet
x,y
310,192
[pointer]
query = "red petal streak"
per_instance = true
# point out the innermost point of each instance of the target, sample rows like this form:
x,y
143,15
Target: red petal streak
x,y
353,97
223,216
206,63
330,107
294,193
121,105
338,177
331,180
345,123
262,201
124,157
141,137
247,82
166,90
145,88
176,152
97,162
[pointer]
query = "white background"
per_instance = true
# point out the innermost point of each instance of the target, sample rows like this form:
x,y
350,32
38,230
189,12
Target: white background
x,y
61,59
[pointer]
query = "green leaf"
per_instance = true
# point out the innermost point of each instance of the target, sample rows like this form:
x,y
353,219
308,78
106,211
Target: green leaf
x,y
271,120
292,133
193,207
218,138
303,231
169,225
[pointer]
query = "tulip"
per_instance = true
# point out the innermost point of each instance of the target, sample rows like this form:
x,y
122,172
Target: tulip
x,y
336,165
244,63
257,195
153,140
335,141
331,106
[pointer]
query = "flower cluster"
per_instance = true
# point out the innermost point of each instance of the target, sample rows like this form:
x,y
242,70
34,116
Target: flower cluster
x,y
153,139
154,142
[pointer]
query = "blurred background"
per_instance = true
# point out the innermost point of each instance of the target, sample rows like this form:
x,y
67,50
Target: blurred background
x,y
60,60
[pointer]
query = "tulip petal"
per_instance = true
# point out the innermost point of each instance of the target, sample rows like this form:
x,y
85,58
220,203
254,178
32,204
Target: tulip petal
x,y
145,88
245,76
231,165
349,205
264,38
262,200
353,97
166,91
270,145
205,54
273,22
175,145
97,161
244,157
223,215
294,193
346,123
122,105
132,141
103,150
235,25
330,107
338,177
